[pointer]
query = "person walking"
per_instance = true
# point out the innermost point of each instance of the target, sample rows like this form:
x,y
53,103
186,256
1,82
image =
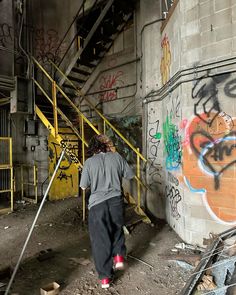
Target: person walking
x,y
103,173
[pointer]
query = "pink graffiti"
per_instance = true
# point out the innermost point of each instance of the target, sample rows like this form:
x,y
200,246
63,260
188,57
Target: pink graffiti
x,y
184,125
110,81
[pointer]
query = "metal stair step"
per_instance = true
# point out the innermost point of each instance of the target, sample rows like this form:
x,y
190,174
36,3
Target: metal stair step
x,y
81,71
76,79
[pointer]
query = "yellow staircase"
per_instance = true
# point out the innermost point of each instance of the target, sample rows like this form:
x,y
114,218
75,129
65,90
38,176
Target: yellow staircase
x,y
134,203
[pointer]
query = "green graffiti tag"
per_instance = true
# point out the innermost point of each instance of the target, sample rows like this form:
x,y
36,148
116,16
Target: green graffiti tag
x,y
172,142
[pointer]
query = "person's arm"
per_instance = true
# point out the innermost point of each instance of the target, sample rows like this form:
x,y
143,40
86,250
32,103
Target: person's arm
x,y
85,177
127,171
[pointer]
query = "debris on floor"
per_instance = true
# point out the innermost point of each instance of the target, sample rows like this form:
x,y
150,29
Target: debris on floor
x,y
50,289
215,274
71,264
206,283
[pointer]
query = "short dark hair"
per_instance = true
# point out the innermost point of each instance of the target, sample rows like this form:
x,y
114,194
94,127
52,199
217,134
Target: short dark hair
x,y
96,146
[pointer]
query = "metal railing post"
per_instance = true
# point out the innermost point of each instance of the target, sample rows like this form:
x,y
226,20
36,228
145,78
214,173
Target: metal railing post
x,y
11,169
83,160
54,97
104,127
138,182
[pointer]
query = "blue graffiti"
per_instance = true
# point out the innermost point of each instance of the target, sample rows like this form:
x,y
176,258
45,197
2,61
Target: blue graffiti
x,y
193,190
172,141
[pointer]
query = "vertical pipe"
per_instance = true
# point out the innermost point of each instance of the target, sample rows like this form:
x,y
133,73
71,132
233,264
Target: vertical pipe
x,y
104,127
83,160
138,183
33,225
54,99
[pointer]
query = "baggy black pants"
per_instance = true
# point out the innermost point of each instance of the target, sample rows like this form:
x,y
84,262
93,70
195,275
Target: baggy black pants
x,y
106,222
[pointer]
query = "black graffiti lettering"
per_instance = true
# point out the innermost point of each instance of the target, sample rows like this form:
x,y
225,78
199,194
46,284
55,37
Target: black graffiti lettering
x,y
64,176
174,197
153,131
217,150
173,179
205,92
230,88
154,169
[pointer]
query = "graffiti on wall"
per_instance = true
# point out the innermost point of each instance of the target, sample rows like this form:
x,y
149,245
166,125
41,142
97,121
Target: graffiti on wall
x,y
107,83
206,98
46,44
154,139
165,60
209,153
174,197
66,181
6,35
172,142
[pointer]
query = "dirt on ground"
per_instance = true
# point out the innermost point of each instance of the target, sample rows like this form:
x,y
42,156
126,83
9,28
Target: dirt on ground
x,y
59,251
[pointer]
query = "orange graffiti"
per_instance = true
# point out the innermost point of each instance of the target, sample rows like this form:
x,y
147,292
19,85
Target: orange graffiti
x,y
165,60
210,164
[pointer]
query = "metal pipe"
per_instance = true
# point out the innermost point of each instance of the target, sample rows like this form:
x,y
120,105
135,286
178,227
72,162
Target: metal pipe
x,y
33,224
182,73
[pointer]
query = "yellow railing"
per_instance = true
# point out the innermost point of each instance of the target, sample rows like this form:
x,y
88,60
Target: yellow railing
x,y
106,123
6,164
83,119
24,183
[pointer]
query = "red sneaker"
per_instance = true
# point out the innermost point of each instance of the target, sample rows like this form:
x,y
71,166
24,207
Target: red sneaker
x,y
118,262
105,283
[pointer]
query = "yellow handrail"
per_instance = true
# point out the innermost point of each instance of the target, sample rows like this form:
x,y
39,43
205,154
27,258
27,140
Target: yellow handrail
x,y
84,117
61,113
99,113
54,132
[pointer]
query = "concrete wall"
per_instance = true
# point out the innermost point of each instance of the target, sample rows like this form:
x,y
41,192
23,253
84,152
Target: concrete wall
x,y
51,21
29,150
191,117
6,38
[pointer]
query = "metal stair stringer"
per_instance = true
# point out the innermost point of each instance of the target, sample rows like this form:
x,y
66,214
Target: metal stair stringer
x,y
93,30
61,141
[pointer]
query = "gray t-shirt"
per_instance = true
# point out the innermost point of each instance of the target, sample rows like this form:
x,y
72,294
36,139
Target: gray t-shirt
x,y
103,173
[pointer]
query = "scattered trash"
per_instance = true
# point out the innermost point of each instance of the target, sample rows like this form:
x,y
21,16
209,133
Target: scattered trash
x,y
45,254
183,264
2,284
85,250
6,227
183,246
174,250
50,289
39,244
206,284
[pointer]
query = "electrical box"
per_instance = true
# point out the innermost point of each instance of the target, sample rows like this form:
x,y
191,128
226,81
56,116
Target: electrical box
x,y
30,127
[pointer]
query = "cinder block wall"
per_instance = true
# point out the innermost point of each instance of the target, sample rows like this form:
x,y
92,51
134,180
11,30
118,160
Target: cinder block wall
x,y
191,126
